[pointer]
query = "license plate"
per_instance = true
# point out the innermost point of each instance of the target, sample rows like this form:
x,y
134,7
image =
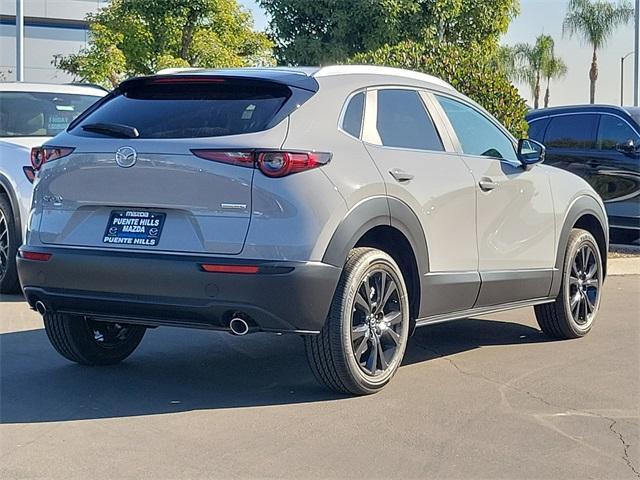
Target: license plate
x,y
134,227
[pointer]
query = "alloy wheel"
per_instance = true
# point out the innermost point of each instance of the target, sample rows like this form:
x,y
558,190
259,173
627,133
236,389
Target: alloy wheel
x,y
584,285
376,323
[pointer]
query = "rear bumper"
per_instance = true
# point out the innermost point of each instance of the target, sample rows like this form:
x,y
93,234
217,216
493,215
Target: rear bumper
x,y
154,289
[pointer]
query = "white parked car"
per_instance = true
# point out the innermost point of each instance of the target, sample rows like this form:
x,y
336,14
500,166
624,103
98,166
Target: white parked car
x,y
30,114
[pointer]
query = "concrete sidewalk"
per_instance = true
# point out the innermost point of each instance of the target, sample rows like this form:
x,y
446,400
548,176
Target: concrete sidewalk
x,y
624,265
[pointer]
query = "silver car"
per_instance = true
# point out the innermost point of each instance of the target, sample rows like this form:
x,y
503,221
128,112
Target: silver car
x,y
30,114
346,204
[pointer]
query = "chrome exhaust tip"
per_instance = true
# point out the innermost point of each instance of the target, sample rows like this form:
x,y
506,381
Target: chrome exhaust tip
x,y
239,326
41,308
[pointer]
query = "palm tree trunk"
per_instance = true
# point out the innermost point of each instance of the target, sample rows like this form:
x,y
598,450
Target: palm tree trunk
x,y
593,76
547,95
536,93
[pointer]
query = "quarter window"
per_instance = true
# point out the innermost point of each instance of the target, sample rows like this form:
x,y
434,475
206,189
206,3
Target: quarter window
x,y
572,131
403,121
612,131
476,133
352,120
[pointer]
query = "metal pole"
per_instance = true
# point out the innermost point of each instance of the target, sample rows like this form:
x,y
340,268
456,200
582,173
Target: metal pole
x,y
622,81
20,41
636,86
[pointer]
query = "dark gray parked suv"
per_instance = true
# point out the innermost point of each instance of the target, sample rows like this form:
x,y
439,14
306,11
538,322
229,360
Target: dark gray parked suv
x,y
345,204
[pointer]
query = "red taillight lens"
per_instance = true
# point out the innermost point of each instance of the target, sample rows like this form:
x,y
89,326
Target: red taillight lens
x,y
36,256
42,155
242,159
280,164
30,173
273,163
207,267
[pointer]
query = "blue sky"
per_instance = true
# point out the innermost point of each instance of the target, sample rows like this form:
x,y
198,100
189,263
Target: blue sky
x,y
545,16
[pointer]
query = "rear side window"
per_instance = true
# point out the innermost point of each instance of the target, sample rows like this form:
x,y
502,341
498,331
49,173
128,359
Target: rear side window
x,y
38,114
177,108
352,120
537,129
572,131
403,121
614,130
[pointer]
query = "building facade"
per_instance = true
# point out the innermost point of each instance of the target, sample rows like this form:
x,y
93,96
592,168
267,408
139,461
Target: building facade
x,y
51,27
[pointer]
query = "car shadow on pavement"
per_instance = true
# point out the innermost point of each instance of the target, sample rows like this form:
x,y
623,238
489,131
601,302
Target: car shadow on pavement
x,y
177,370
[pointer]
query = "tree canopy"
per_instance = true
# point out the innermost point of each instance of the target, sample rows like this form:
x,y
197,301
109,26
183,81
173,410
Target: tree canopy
x,y
316,32
138,37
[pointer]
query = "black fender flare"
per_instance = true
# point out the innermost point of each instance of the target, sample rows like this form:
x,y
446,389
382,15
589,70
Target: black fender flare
x,y
13,201
584,205
373,212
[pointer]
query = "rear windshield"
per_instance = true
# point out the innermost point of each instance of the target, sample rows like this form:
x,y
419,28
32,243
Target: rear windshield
x,y
36,114
170,108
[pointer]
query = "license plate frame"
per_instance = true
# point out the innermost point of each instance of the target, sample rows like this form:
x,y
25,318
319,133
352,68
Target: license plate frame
x,y
134,227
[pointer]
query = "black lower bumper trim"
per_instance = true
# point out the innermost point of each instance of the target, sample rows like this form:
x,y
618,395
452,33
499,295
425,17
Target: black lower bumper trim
x,y
173,290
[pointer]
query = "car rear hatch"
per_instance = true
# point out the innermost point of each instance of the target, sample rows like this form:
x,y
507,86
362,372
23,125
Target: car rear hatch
x,y
127,177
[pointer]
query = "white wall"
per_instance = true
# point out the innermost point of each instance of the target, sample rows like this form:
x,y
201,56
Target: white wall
x,y
43,43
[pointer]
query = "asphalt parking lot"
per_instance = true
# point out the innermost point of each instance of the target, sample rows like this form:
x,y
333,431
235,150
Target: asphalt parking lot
x,y
480,398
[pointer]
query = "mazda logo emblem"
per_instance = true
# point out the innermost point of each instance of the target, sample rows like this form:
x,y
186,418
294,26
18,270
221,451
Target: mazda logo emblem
x,y
126,157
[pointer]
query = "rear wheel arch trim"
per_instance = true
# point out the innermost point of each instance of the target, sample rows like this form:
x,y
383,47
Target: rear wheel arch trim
x,y
373,212
583,205
5,188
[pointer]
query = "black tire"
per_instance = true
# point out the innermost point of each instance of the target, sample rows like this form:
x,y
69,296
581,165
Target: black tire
x,y
564,319
355,320
87,342
9,243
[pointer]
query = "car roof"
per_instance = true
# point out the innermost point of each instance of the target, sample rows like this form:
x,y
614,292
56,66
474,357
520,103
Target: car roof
x,y
52,88
305,77
569,109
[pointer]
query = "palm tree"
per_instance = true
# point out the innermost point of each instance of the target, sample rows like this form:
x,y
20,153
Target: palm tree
x,y
553,69
595,21
529,63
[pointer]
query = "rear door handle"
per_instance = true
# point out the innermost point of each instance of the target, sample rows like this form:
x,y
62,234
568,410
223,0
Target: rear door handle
x,y
401,175
486,184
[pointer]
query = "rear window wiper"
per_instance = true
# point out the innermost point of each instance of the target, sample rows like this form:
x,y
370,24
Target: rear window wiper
x,y
112,129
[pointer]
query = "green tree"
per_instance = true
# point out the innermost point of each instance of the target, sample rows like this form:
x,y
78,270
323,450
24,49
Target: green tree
x,y
139,37
553,69
595,21
316,32
470,70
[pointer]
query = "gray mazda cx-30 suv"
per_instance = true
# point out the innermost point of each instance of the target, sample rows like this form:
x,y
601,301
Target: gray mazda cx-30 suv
x,y
346,204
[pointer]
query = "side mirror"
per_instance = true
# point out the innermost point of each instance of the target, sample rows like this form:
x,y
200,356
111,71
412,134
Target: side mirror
x,y
629,148
530,152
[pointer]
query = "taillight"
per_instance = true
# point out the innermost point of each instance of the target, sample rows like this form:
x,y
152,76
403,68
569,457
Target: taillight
x,y
280,164
272,163
242,159
42,155
29,172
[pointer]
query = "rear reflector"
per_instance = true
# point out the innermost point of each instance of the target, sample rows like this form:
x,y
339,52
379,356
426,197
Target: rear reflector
x,y
272,163
36,256
207,267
